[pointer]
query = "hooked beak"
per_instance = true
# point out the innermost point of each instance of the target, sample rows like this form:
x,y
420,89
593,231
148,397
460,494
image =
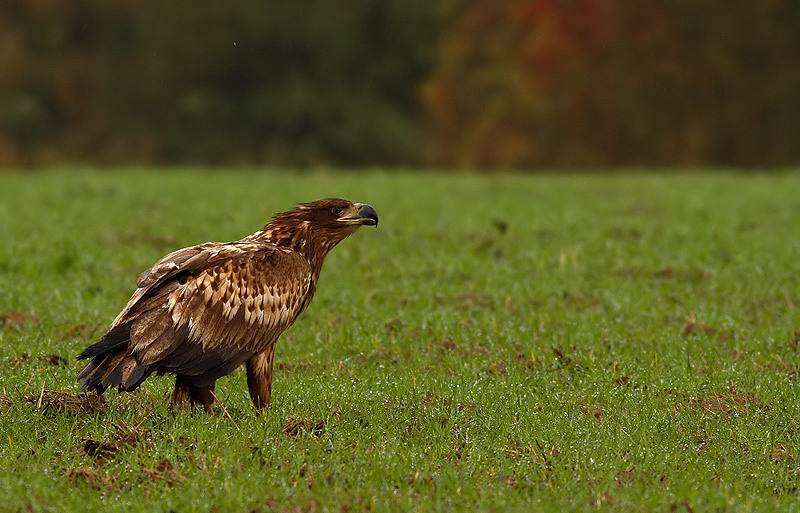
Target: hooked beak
x,y
366,214
359,214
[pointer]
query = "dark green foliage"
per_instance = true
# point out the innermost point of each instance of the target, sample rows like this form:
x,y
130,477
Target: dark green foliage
x,y
305,82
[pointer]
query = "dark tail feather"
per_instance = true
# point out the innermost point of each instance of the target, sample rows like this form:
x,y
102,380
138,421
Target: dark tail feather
x,y
117,338
109,365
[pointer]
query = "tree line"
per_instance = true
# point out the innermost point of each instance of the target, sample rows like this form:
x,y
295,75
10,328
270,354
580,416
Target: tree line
x,y
487,84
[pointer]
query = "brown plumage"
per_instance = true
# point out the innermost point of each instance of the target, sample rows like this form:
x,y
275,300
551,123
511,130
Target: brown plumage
x,y
200,312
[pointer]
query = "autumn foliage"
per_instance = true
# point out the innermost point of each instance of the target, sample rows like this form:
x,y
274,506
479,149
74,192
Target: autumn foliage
x,y
529,83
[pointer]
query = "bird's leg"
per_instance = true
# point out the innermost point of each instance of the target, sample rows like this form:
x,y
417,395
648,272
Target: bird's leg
x,y
259,378
187,395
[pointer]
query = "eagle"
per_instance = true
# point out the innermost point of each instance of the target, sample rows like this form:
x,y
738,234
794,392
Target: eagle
x,y
200,312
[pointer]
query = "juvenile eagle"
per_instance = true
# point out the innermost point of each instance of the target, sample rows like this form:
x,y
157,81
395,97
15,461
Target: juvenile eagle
x,y
200,312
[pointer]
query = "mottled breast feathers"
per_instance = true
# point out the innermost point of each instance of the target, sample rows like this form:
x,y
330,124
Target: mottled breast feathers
x,y
215,294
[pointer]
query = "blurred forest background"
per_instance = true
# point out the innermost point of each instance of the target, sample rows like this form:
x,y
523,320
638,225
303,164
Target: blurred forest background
x,y
486,84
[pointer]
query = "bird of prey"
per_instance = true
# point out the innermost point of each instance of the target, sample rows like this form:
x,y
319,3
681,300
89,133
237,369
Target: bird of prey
x,y
202,311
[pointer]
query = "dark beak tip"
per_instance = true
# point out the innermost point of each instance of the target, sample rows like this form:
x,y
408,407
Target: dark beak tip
x,y
368,215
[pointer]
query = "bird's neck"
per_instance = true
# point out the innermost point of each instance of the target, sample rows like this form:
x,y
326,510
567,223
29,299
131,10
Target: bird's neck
x,y
298,238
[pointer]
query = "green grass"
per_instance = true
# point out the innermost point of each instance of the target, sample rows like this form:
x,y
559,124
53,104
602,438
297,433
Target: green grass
x,y
623,342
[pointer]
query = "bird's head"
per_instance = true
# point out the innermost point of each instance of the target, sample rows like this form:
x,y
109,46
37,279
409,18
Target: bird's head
x,y
337,214
320,224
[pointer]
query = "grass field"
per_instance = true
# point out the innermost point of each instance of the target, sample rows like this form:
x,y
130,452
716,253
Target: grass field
x,y
624,342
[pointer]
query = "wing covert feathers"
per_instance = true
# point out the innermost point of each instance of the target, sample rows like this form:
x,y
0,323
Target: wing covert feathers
x,y
199,310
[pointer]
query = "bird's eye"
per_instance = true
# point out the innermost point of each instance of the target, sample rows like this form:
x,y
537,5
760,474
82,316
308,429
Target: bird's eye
x,y
336,210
